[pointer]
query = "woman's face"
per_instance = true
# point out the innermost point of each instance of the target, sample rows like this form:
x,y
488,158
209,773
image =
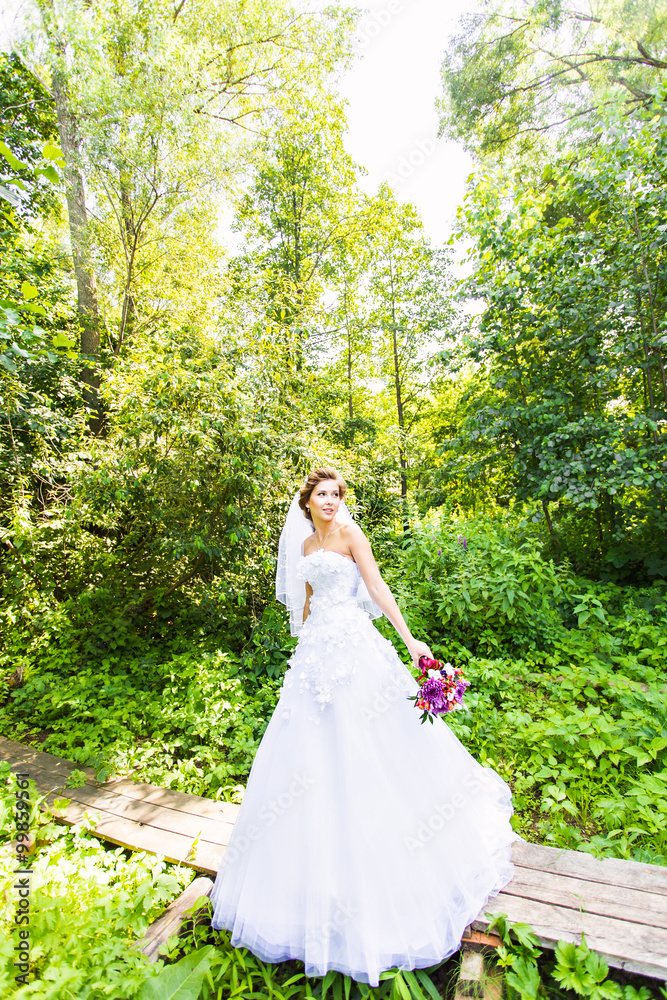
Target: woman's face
x,y
324,501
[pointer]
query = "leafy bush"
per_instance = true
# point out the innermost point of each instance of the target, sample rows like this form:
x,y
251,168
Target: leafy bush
x,y
568,679
531,974
478,580
181,719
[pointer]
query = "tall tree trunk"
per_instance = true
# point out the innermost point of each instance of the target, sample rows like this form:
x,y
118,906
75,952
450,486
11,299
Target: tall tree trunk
x,y
350,407
87,305
130,239
397,383
547,517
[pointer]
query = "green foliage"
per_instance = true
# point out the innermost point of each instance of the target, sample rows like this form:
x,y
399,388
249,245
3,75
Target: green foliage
x,y
109,901
29,146
572,399
567,695
531,975
519,70
184,720
182,981
474,579
236,972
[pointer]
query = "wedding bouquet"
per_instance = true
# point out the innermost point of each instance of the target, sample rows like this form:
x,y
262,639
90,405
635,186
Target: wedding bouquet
x,y
441,688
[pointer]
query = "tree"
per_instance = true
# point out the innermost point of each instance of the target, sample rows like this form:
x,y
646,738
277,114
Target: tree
x,y
573,336
521,70
70,144
301,219
151,103
410,307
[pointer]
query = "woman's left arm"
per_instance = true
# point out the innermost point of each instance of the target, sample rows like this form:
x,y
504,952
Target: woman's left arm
x,y
379,591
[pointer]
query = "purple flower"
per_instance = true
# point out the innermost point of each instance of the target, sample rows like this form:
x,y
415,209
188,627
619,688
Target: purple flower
x,y
430,576
459,539
465,542
439,552
432,691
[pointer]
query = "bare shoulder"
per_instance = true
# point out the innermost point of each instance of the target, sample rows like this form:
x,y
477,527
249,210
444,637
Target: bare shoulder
x,y
353,538
351,533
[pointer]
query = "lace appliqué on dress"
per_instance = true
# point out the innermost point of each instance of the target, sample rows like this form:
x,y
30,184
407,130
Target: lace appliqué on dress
x,y
325,655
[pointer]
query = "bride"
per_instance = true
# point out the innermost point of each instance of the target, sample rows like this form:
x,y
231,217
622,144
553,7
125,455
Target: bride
x,y
366,840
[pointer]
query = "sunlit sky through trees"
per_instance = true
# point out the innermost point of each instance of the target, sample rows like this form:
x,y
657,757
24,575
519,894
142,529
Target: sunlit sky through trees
x,y
391,92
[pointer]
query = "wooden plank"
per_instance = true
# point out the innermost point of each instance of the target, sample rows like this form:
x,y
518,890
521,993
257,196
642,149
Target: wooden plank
x,y
27,758
156,816
633,905
620,905
613,871
480,939
634,947
160,817
138,837
172,920
47,770
192,804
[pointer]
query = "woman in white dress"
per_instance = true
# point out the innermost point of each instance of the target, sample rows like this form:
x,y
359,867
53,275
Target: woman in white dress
x,y
366,840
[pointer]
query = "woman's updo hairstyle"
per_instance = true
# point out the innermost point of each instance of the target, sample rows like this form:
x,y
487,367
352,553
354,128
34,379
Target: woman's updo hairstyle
x,y
315,477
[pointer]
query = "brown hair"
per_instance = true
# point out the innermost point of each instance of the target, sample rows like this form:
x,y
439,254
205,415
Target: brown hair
x,y
315,477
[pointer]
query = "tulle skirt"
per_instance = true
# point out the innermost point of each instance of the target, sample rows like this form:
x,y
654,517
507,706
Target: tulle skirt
x,y
366,840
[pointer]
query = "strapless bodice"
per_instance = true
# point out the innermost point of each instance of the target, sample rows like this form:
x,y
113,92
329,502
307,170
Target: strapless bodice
x,y
333,577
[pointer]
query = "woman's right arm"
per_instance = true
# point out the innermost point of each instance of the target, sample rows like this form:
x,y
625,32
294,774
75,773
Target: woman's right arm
x,y
306,607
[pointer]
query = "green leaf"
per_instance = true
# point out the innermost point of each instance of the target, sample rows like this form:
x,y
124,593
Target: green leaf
x,y
399,988
427,984
524,977
596,967
413,985
12,160
182,981
52,152
7,363
327,981
50,173
20,352
62,340
28,290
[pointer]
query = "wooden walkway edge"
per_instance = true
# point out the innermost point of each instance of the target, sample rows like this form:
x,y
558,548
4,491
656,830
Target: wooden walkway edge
x,y
183,828
621,906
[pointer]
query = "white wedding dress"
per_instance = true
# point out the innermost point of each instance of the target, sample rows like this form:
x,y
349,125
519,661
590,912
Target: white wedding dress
x,y
366,840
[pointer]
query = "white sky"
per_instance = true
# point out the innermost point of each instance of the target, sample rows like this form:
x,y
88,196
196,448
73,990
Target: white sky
x,y
393,122
391,92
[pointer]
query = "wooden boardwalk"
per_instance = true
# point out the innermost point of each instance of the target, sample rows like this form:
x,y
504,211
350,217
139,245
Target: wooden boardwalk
x,y
182,827
621,906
